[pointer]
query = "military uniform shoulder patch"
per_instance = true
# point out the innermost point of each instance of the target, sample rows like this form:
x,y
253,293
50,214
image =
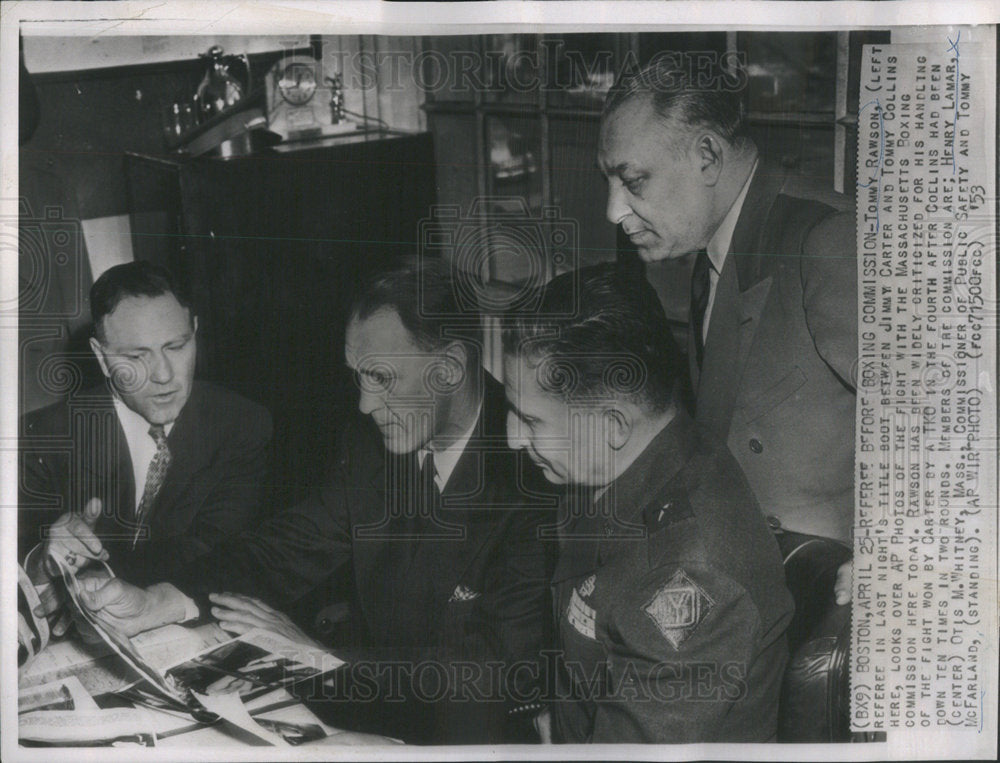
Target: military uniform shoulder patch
x,y
678,608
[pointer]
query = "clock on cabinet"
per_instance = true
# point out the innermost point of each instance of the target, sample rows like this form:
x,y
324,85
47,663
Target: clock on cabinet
x,y
297,83
299,100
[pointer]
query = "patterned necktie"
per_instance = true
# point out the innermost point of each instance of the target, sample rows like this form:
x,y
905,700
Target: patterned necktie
x,y
700,286
154,477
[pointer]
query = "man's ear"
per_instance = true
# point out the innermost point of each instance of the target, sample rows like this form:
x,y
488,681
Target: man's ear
x,y
95,347
618,427
709,153
194,322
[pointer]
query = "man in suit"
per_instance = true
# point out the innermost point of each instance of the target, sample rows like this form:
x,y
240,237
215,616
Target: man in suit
x,y
772,342
670,599
433,519
159,466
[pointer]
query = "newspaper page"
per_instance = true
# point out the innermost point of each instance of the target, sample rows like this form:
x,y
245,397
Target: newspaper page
x,y
825,256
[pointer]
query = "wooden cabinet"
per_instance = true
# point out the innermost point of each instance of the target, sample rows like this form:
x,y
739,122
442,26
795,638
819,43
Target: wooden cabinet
x,y
273,247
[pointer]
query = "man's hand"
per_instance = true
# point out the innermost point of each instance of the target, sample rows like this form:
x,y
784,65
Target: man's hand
x,y
131,609
844,583
72,540
239,614
89,579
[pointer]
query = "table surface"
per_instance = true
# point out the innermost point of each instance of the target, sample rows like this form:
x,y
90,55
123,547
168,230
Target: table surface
x,y
99,673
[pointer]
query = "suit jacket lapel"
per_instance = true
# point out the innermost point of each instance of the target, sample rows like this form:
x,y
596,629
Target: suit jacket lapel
x,y
752,263
189,450
380,546
105,465
715,388
473,483
750,307
740,299
124,478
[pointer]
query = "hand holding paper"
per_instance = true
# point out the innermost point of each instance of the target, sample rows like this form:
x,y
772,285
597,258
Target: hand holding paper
x,y
72,539
131,609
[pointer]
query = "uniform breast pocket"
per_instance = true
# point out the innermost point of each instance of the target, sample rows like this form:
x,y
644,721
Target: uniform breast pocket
x,y
774,395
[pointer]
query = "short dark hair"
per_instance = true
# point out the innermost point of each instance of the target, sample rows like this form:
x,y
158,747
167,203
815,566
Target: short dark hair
x,y
422,292
675,97
132,279
599,333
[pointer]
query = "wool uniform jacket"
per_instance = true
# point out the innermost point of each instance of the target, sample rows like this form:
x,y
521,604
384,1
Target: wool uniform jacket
x,y
778,378
466,580
671,604
76,450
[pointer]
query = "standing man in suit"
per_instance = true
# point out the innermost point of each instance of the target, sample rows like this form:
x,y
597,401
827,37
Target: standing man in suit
x,y
773,330
433,519
160,467
670,599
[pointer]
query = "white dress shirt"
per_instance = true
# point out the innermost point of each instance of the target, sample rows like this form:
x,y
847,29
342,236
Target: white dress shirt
x,y
141,445
446,460
718,248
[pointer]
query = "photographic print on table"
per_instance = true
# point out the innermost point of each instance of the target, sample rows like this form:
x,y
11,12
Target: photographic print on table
x,y
244,665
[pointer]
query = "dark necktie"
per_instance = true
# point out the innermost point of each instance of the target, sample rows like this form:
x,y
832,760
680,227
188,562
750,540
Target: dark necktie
x,y
430,495
700,286
154,477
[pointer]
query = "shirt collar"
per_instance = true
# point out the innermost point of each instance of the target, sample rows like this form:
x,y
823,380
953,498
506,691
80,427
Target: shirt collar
x,y
134,424
662,458
446,460
722,239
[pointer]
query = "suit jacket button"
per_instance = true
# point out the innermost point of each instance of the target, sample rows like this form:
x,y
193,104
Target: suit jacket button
x,y
325,624
756,445
774,523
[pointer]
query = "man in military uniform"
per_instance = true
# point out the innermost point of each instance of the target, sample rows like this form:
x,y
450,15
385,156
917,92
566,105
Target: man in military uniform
x,y
669,591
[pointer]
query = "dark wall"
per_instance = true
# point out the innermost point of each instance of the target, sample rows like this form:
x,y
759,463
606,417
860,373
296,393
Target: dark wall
x,y
90,118
274,246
